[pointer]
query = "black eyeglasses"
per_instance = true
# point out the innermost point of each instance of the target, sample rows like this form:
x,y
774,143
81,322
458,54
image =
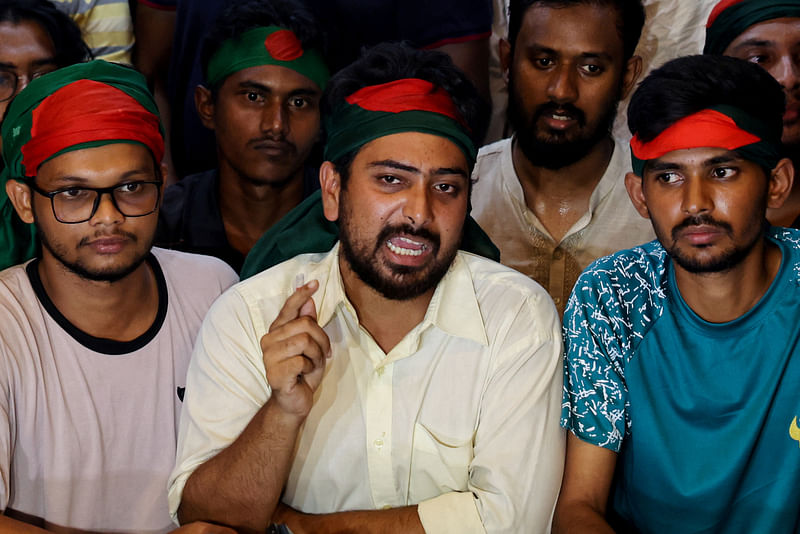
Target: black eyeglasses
x,y
73,205
9,81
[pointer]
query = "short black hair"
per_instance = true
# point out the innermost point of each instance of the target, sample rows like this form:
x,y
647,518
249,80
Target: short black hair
x,y
686,85
629,22
65,34
387,62
241,16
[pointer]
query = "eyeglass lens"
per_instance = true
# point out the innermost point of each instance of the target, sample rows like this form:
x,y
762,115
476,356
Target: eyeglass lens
x,y
132,200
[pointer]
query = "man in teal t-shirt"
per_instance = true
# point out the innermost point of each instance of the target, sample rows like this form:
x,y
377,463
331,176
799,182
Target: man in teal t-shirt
x,y
682,370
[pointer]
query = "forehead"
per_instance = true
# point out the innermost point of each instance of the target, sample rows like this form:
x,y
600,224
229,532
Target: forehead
x,y
775,32
274,77
422,151
573,30
24,42
98,166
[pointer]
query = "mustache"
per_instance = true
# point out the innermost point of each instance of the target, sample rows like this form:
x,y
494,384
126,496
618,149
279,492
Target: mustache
x,y
100,235
698,220
268,138
407,229
551,108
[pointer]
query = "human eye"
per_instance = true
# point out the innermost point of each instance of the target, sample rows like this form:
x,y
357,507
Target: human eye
x,y
668,178
42,72
724,172
74,194
299,102
543,62
592,69
389,179
131,188
447,188
253,96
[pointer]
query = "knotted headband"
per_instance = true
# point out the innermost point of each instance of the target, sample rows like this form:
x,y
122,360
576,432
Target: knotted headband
x,y
407,105
719,127
269,45
730,18
81,106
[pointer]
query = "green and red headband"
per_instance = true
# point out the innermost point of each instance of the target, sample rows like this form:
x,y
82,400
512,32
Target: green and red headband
x,y
407,105
269,45
730,18
80,106
719,127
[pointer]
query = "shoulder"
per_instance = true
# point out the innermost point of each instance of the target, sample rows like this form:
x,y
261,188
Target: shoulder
x,y
176,195
503,288
489,154
15,287
194,272
789,238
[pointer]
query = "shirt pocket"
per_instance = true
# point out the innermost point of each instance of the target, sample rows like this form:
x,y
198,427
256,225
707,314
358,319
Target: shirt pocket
x,y
439,463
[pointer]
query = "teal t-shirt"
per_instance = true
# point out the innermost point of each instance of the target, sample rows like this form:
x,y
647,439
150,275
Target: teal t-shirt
x,y
704,416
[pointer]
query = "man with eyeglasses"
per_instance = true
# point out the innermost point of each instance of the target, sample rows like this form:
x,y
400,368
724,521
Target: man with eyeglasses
x,y
98,329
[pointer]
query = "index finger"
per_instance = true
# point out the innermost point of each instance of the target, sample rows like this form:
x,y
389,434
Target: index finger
x,y
292,307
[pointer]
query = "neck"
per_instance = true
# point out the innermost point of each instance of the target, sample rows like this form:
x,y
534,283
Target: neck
x,y
724,296
121,311
559,197
249,209
387,321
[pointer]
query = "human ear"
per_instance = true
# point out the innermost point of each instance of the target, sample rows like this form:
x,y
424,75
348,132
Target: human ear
x,y
633,69
633,184
20,195
331,188
205,106
781,179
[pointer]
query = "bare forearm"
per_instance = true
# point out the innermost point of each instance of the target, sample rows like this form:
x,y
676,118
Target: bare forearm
x,y
579,519
400,520
241,485
8,525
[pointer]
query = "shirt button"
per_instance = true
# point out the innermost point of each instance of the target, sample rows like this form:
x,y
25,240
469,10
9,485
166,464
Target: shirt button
x,y
378,443
557,300
387,507
558,255
380,370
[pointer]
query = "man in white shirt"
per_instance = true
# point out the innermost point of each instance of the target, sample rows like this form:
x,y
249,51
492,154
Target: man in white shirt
x,y
98,329
552,197
393,384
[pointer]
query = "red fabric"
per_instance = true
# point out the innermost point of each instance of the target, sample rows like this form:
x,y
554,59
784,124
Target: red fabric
x,y
719,8
409,94
457,40
705,128
283,45
85,111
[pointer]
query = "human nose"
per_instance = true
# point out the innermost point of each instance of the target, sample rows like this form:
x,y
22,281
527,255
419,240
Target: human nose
x,y
696,199
106,210
562,88
274,118
417,206
786,72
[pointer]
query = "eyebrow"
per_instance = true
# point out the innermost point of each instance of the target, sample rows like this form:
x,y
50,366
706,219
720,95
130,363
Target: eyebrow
x,y
540,49
409,168
35,63
301,91
754,42
82,181
669,166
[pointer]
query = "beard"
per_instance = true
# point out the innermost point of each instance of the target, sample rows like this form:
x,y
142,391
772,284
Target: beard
x,y
394,282
555,149
724,261
107,274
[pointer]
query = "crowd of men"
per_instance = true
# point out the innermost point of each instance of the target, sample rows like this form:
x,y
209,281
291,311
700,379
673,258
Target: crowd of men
x,y
559,331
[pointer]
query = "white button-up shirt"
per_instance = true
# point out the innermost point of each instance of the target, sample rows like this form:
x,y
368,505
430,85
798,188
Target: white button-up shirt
x,y
460,417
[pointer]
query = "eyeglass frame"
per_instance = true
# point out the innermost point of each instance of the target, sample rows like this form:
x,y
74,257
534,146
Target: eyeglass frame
x,y
16,84
100,192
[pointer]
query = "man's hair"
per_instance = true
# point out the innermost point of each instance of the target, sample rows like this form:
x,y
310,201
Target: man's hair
x,y
686,85
388,62
630,19
241,16
66,36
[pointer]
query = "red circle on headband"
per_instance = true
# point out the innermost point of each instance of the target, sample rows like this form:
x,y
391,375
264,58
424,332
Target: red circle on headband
x,y
283,45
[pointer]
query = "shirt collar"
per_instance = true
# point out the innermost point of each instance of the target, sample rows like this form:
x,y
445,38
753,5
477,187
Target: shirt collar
x,y
453,308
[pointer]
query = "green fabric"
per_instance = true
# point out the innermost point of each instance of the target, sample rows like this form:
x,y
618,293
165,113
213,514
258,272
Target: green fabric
x,y
765,153
17,124
305,230
249,50
18,241
736,19
350,127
